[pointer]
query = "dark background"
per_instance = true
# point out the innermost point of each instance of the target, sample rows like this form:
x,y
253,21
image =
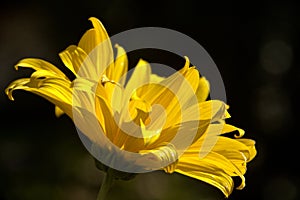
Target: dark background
x,y
255,47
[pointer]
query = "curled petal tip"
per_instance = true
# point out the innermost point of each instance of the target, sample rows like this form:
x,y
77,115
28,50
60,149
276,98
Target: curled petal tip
x,y
93,18
187,61
96,22
240,134
243,184
8,92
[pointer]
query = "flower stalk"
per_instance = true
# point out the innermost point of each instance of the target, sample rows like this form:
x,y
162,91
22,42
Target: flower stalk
x,y
106,185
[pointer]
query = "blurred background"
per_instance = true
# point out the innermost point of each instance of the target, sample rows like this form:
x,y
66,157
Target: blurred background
x,y
253,45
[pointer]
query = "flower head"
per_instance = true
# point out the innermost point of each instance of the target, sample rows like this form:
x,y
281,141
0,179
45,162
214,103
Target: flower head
x,y
147,123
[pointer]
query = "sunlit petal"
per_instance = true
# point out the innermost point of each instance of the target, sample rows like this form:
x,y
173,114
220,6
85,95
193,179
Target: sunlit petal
x,y
203,89
38,64
73,58
55,90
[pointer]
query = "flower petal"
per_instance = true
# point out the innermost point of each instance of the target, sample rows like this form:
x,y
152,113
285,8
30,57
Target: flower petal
x,y
56,90
222,154
139,77
231,149
207,172
180,135
213,110
73,58
230,128
38,64
172,94
202,90
251,151
119,68
156,79
58,112
110,126
94,36
96,43
191,74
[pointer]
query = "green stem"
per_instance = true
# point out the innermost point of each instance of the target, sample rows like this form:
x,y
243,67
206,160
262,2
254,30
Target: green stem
x,y
106,184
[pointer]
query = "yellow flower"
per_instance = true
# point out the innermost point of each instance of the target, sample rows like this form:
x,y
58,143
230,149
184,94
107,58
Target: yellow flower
x,y
169,120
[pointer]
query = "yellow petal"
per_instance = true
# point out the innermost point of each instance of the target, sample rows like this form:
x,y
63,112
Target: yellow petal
x,y
213,110
210,111
88,125
44,69
38,64
91,99
230,128
114,95
120,67
173,94
203,89
156,79
114,80
85,95
132,142
186,133
94,36
163,96
89,40
191,74
96,43
139,77
210,139
149,135
58,112
233,150
137,106
251,152
128,136
231,161
229,149
55,90
186,65
109,125
217,178
73,58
